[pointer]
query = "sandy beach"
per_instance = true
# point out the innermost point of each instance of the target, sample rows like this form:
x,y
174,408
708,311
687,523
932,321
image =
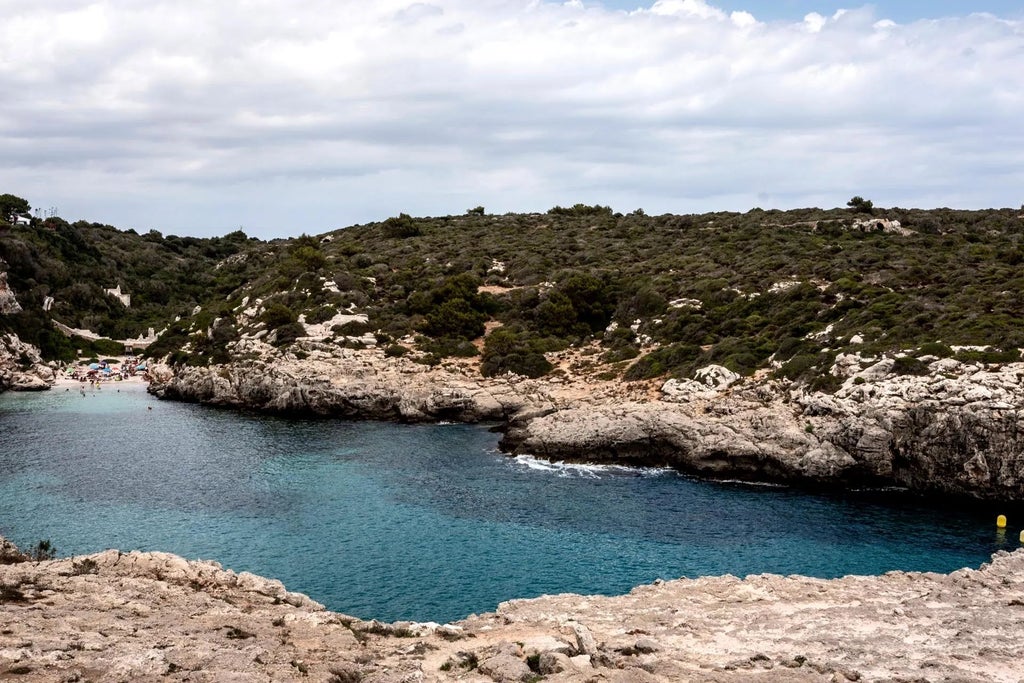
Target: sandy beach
x,y
63,379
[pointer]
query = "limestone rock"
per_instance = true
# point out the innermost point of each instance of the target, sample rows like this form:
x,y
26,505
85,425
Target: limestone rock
x,y
954,430
716,376
8,301
149,616
585,643
505,668
646,645
366,386
21,367
936,433
553,663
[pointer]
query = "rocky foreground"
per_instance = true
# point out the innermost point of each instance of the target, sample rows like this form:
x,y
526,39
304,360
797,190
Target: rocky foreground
x,y
137,616
957,428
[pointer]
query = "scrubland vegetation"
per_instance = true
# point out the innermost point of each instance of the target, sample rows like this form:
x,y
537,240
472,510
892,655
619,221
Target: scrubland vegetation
x,y
662,295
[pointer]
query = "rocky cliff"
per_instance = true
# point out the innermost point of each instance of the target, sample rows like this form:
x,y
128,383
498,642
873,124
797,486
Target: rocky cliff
x,y
117,616
954,429
8,301
21,368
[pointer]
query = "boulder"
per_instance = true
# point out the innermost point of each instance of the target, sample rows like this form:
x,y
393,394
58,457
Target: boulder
x,y
505,668
716,376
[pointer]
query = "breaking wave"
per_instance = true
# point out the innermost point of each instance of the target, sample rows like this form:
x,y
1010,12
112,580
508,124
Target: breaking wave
x,y
586,470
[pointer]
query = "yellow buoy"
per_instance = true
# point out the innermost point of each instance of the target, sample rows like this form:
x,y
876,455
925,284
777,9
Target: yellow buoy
x,y
1001,521
1022,537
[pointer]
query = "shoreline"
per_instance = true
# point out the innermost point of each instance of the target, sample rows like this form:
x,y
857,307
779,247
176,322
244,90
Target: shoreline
x,y
957,430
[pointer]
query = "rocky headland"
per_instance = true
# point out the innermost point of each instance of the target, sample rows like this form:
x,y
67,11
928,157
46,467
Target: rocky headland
x,y
953,428
135,616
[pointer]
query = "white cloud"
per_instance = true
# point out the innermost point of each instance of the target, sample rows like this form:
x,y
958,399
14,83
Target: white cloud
x,y
191,116
743,19
695,8
815,22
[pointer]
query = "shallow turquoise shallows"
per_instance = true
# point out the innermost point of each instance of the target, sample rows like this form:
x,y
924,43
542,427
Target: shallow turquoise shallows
x,y
421,522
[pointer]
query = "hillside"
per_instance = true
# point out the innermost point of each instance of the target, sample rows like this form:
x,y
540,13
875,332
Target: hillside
x,y
60,272
651,295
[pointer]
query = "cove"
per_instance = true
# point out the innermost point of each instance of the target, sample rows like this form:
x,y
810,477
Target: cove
x,y
426,522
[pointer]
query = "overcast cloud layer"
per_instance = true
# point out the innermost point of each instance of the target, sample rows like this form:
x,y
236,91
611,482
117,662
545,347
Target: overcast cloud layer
x,y
307,115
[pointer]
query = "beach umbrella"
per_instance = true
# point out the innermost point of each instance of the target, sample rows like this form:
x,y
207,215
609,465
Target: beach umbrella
x,y
94,366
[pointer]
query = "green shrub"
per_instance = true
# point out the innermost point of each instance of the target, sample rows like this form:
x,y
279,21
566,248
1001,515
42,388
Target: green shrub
x,y
676,357
799,366
43,550
908,365
445,347
353,328
937,349
825,382
395,351
321,315
401,226
455,318
276,315
993,356
506,351
288,333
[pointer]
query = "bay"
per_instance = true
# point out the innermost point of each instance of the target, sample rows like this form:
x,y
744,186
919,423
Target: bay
x,y
423,522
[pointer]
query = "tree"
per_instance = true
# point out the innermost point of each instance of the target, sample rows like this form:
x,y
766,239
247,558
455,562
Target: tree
x,y
10,205
860,205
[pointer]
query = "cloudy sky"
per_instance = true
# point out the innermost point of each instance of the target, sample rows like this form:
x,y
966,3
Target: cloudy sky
x,y
289,116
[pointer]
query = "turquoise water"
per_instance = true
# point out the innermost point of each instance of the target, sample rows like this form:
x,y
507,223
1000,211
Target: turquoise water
x,y
421,522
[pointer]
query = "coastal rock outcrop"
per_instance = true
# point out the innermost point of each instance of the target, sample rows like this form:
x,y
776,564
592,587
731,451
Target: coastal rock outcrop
x,y
8,301
21,367
352,384
954,429
116,616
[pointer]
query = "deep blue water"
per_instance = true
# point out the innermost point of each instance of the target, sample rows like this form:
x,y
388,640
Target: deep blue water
x,y
421,522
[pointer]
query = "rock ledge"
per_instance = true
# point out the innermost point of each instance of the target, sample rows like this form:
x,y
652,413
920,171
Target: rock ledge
x,y
136,616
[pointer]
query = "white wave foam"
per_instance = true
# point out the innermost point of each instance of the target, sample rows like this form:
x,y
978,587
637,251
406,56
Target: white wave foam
x,y
584,470
752,484
881,489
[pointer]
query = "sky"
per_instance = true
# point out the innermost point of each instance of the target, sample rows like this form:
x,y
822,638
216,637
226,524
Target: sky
x,y
281,117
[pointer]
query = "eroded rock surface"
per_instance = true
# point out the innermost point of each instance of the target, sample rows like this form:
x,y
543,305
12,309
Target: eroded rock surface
x,y
21,367
955,430
353,384
154,616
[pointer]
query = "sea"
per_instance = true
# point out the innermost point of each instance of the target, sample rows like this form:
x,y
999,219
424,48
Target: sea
x,y
426,522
